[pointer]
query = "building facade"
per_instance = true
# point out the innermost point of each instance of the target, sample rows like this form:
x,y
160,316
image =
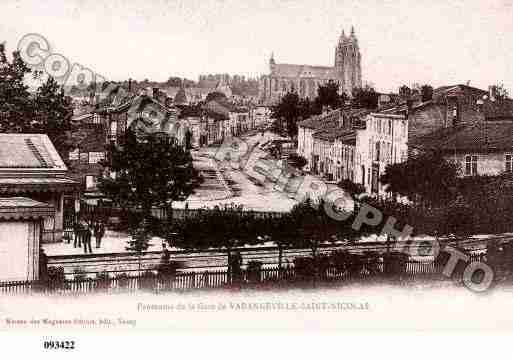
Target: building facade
x,y
355,145
305,79
31,167
21,225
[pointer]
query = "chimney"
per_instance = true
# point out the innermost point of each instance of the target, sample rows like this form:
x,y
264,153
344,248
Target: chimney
x,y
409,105
491,93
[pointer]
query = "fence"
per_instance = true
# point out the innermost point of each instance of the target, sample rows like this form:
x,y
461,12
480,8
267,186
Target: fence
x,y
105,211
273,277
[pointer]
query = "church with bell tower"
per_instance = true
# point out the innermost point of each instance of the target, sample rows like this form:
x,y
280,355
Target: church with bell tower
x,y
305,79
348,62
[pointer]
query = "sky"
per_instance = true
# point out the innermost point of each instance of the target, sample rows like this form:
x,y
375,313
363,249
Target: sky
x,y
402,42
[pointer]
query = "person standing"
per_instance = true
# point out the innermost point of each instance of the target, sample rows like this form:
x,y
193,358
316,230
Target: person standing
x,y
99,232
77,231
86,238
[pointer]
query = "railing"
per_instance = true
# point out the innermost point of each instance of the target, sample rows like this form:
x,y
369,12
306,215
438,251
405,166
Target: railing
x,y
221,279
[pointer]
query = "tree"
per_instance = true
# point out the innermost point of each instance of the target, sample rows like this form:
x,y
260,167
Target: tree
x,y
174,81
216,96
16,105
139,240
47,111
53,115
427,178
499,91
426,92
365,97
297,161
151,170
405,92
225,226
327,95
353,189
292,109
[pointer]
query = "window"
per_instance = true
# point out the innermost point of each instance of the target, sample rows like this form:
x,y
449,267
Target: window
x,y
74,155
390,127
90,182
95,157
84,157
509,163
470,165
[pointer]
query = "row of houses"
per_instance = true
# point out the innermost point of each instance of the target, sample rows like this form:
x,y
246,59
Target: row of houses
x,y
353,145
192,127
467,125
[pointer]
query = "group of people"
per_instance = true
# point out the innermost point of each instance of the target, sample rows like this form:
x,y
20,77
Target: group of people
x,y
83,233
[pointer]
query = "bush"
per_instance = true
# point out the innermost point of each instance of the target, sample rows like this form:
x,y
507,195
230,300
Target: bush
x,y
79,274
297,161
253,271
56,277
371,262
123,280
309,267
349,263
148,280
102,280
394,263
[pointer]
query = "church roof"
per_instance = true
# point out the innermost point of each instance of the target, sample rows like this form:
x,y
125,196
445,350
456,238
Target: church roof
x,y
290,70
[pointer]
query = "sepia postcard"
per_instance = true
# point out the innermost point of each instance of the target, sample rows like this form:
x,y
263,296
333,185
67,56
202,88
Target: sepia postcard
x,y
233,165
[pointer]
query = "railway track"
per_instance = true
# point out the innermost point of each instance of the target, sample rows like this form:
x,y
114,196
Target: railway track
x,y
209,260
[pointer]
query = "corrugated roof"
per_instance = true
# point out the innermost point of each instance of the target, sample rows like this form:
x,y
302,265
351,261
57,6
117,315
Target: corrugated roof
x,y
28,151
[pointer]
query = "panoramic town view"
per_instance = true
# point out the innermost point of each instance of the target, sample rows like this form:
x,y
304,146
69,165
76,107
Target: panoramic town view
x,y
119,173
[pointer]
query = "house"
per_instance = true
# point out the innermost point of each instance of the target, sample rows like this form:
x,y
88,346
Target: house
x,y
31,167
353,144
226,120
188,95
261,116
85,160
333,153
485,148
306,130
381,139
450,106
21,224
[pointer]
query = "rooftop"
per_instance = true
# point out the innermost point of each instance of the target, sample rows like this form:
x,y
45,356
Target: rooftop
x,y
31,151
481,137
498,110
23,208
334,133
291,70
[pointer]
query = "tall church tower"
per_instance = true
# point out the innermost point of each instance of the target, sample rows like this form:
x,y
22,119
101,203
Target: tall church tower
x,y
348,66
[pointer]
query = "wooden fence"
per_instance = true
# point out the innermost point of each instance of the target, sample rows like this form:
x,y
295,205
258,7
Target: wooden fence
x,y
181,281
